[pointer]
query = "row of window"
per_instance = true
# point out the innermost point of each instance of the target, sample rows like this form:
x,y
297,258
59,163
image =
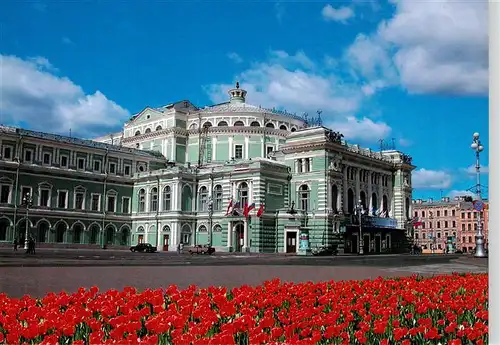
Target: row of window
x,y
438,224
64,161
464,238
469,215
303,165
44,199
363,176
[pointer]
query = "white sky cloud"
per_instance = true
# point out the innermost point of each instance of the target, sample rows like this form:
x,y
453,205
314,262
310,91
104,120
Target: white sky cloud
x,y
472,170
428,47
235,57
341,14
431,179
454,193
33,93
298,84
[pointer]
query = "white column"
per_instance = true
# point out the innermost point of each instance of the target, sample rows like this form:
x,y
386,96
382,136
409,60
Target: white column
x,y
229,235
233,189
214,148
159,238
246,148
230,143
370,199
172,150
358,185
329,201
250,192
304,164
246,246
380,192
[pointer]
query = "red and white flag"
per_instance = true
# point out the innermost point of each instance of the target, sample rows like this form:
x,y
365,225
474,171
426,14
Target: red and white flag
x,y
260,211
229,207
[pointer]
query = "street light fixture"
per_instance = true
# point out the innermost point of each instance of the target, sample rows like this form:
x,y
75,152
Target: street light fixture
x,y
27,202
360,210
478,148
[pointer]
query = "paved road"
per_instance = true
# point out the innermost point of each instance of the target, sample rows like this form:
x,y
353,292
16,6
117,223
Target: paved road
x,y
68,270
78,258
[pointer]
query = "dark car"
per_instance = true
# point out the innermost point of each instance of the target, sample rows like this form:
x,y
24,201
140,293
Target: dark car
x,y
143,248
325,250
199,249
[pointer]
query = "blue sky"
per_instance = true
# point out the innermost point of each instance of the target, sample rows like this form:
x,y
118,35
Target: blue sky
x,y
413,71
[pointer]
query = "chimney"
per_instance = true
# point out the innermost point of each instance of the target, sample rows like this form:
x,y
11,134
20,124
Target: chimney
x,y
445,199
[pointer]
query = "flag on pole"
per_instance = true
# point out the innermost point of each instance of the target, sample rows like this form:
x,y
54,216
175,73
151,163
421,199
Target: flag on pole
x,y
260,211
236,208
416,222
250,208
229,206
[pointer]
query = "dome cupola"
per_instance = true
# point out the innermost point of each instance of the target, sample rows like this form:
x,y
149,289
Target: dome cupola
x,y
237,95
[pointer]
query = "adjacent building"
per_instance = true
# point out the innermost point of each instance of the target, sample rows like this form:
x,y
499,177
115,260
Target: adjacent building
x,y
189,169
447,223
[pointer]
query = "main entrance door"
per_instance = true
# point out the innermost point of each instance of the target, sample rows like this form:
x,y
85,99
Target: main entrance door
x,y
354,243
378,244
239,237
165,242
291,241
366,244
140,239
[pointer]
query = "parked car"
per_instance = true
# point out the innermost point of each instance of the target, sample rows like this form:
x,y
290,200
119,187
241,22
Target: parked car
x,y
143,248
199,249
325,250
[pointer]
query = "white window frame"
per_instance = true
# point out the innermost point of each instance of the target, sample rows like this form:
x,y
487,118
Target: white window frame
x,y
32,155
93,165
242,151
76,191
41,187
129,169
66,199
11,152
112,164
78,160
126,200
43,158
267,149
111,195
92,200
21,193
67,161
9,196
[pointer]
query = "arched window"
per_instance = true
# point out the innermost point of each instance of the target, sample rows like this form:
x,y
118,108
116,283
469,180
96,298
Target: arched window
x,y
255,124
142,201
187,198
269,125
203,199
207,124
362,197
202,228
350,201
335,195
167,199
159,128
238,124
283,128
217,228
137,133
218,196
148,130
222,124
153,207
193,126
243,194
166,228
304,197
294,129
374,204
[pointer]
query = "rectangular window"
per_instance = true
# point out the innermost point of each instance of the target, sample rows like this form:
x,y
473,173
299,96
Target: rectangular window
x,y
454,224
446,213
28,156
46,158
453,213
445,223
25,191
269,150
238,151
95,202
7,152
112,168
81,163
4,194
111,203
97,166
79,197
44,197
126,205
438,213
64,161
127,170
61,199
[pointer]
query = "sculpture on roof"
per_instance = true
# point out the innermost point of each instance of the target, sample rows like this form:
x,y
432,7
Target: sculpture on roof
x,y
407,159
334,137
237,84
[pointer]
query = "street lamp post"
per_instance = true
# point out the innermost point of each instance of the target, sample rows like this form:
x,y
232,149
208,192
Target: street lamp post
x,y
360,210
27,201
478,148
